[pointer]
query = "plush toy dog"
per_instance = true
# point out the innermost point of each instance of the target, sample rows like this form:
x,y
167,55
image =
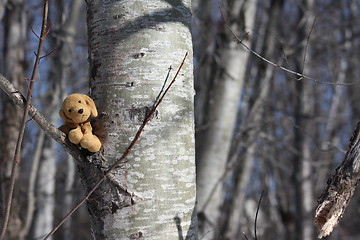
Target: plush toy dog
x,y
76,111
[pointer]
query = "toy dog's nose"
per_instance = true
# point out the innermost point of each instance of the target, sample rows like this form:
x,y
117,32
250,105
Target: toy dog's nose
x,y
80,111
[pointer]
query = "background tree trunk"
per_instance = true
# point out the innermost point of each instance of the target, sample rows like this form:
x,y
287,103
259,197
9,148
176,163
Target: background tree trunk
x,y
219,85
63,40
305,125
244,151
131,46
14,68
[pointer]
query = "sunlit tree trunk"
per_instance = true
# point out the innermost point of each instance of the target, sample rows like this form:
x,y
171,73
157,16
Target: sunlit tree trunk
x,y
219,83
14,53
305,130
131,46
231,224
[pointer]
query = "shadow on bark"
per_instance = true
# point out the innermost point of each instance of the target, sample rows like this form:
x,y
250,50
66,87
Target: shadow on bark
x,y
178,13
192,232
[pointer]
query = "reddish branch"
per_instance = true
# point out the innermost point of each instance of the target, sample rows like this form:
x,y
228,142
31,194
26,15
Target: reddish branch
x,y
17,154
125,154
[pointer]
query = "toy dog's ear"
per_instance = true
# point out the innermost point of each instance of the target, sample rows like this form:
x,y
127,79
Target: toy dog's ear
x,y
91,105
63,116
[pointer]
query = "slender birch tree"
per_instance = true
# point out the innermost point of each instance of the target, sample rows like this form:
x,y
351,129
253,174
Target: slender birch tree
x,y
220,78
151,195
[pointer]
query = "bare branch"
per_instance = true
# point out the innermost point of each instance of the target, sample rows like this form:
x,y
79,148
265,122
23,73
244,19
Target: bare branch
x,y
257,214
306,47
301,76
48,128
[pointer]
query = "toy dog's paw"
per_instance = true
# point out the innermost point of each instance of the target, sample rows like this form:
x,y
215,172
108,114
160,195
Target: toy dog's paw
x,y
75,136
86,141
94,148
91,143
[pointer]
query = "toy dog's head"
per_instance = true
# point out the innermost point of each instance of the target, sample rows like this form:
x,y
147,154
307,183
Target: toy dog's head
x,y
77,108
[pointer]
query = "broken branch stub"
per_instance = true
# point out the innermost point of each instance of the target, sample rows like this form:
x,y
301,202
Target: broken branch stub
x,y
340,188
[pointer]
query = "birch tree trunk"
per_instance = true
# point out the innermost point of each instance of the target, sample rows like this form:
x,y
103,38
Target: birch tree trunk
x,y
45,191
14,67
222,83
304,132
304,181
231,221
131,46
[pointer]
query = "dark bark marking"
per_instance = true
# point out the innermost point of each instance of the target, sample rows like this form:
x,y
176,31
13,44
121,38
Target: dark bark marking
x,y
138,55
118,16
136,235
114,207
94,69
130,84
137,114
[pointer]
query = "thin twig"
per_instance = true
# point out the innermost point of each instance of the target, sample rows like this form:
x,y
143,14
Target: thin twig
x,y
49,53
17,154
306,46
256,215
163,87
125,154
33,31
239,40
245,236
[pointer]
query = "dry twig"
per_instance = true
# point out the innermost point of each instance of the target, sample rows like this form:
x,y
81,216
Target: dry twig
x,y
301,76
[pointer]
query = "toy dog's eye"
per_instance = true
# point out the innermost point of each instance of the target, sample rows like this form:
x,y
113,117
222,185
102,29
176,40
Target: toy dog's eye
x,y
79,101
69,110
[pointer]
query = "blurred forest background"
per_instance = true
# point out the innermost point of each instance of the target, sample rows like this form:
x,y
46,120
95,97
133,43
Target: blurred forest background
x,y
258,128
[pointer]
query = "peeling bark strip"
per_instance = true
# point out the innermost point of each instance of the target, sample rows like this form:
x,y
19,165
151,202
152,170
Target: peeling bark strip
x,y
340,188
131,46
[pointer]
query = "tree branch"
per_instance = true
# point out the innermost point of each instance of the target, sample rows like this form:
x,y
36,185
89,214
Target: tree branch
x,y
300,75
340,188
47,127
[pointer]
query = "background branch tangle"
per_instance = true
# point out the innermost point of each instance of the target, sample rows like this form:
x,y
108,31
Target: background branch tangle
x,y
300,75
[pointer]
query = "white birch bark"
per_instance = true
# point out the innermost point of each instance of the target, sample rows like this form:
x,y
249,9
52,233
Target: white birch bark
x,y
131,46
226,77
254,121
45,192
307,125
31,199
